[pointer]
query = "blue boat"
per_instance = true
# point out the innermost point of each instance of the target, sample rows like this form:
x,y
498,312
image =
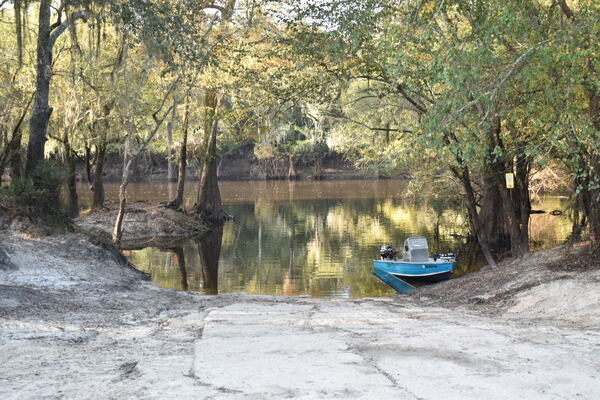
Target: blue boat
x,y
415,263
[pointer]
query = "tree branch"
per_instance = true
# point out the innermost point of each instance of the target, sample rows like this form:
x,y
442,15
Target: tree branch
x,y
82,14
367,126
564,7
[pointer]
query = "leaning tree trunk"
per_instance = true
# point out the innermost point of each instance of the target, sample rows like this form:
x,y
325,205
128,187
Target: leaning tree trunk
x,y
465,178
129,159
117,234
14,146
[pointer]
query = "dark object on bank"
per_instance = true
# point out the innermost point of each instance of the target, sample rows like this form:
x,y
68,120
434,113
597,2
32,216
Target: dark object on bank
x,y
537,212
556,212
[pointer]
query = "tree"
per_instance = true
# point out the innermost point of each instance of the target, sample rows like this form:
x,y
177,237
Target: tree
x,y
48,34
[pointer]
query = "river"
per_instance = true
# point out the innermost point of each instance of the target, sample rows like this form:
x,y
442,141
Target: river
x,y
315,238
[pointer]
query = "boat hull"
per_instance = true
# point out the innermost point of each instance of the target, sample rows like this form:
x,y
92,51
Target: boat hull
x,y
432,271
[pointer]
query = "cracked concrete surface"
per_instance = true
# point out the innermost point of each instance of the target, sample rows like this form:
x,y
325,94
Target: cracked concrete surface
x,y
75,324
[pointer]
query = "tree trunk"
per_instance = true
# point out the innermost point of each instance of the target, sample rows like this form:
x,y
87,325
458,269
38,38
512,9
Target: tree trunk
x,y
178,202
129,159
522,201
291,170
73,208
98,178
591,198
318,174
465,178
88,163
38,125
578,220
170,152
19,31
16,163
40,116
518,245
101,147
494,229
208,205
117,234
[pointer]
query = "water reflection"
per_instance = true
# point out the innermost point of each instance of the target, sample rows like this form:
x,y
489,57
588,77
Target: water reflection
x,y
180,259
318,247
209,251
323,246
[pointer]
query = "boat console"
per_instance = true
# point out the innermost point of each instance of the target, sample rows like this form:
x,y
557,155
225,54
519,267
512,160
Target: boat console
x,y
416,249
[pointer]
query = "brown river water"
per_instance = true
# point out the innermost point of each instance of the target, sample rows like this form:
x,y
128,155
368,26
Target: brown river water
x,y
315,238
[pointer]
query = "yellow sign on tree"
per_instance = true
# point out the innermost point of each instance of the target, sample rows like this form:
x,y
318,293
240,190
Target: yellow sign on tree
x,y
510,180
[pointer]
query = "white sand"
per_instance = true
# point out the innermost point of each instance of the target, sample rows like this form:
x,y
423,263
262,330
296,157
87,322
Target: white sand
x,y
76,324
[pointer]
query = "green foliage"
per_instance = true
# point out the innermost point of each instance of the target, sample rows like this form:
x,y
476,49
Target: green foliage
x,y
36,197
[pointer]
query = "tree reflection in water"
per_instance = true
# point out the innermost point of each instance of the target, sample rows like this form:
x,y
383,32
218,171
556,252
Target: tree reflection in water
x,y
320,247
180,259
209,251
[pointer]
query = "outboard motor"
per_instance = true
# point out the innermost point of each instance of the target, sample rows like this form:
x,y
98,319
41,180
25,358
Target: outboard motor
x,y
387,252
447,257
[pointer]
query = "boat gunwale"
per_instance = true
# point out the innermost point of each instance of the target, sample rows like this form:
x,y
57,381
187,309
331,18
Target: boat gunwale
x,y
418,275
396,261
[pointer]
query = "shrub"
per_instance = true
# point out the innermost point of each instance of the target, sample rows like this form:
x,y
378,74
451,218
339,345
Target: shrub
x,y
36,197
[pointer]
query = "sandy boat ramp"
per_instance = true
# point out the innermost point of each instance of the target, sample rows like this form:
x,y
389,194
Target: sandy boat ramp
x,y
76,323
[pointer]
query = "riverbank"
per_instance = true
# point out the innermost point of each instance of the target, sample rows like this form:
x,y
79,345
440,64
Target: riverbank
x,y
146,224
76,322
558,284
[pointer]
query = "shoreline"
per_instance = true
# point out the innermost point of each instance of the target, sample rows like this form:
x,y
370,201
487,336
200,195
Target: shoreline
x,y
167,227
76,322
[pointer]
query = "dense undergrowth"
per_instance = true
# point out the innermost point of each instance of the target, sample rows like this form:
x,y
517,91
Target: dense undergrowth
x,y
36,198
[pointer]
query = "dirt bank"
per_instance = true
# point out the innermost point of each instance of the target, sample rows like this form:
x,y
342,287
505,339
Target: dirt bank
x,y
77,323
146,224
560,283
